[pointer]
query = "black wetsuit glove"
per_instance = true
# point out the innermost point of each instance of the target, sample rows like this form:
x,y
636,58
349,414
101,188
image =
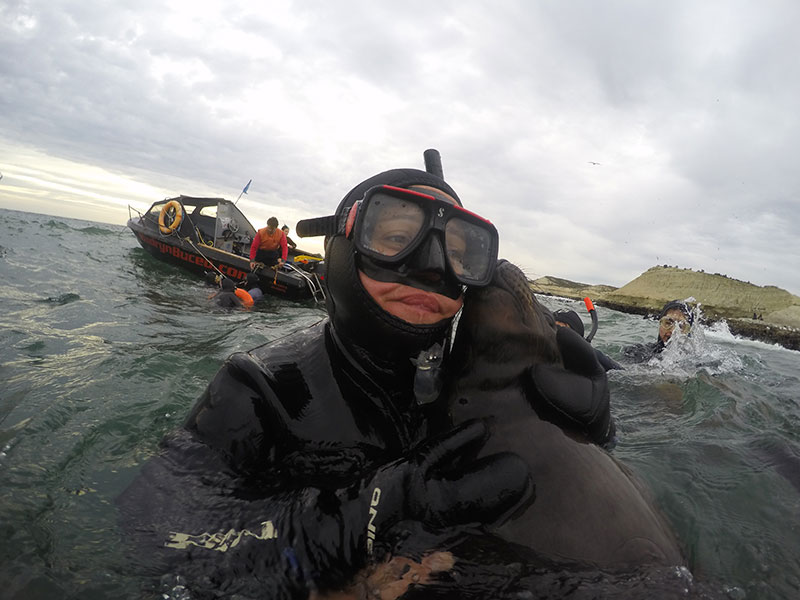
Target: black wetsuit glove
x,y
440,483
576,395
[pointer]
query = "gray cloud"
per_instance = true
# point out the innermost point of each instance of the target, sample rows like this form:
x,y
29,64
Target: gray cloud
x,y
688,108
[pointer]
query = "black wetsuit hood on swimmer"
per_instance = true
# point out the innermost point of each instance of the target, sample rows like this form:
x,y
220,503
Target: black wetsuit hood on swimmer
x,y
359,325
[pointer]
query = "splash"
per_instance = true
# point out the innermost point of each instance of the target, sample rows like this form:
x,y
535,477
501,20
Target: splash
x,y
687,354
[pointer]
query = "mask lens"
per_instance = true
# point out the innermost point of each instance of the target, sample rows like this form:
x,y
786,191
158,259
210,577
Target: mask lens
x,y
469,249
670,323
390,225
395,225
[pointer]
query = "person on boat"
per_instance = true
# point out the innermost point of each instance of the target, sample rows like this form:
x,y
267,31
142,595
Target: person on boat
x,y
289,241
569,318
269,246
675,314
335,433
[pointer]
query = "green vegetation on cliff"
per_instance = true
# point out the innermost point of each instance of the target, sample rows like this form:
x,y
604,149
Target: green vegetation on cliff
x,y
720,296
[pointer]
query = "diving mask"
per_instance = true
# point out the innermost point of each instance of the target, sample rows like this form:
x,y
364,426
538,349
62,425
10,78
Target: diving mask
x,y
391,226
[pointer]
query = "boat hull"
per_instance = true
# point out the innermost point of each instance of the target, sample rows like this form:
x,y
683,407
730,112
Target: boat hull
x,y
201,259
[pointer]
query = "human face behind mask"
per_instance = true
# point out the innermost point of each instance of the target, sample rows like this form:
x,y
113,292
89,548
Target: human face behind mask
x,y
414,306
672,318
390,294
411,304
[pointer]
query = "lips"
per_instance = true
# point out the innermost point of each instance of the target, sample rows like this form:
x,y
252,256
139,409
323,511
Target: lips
x,y
424,301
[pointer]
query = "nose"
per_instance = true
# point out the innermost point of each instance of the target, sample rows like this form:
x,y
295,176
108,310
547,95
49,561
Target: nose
x,y
429,258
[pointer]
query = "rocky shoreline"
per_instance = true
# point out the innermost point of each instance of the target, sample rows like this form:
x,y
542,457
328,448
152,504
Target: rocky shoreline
x,y
720,297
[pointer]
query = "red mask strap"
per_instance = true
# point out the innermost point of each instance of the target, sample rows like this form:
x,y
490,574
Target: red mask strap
x,y
351,219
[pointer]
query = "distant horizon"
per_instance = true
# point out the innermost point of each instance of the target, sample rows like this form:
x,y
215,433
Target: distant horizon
x,y
321,251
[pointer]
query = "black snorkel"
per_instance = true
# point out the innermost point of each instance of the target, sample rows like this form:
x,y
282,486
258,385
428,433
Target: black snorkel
x,y
593,314
428,376
433,162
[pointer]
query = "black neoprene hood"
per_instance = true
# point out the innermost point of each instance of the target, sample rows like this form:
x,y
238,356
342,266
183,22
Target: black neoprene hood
x,y
357,319
679,305
402,178
571,318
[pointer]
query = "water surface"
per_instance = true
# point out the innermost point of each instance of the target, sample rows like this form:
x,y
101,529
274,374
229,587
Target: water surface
x,y
103,350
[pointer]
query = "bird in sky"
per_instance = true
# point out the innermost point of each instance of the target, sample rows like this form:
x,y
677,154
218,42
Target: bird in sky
x,y
591,162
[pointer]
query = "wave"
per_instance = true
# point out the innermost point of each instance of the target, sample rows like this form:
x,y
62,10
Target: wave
x,y
61,299
94,230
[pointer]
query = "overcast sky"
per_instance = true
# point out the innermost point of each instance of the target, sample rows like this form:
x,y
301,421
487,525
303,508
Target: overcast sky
x,y
601,137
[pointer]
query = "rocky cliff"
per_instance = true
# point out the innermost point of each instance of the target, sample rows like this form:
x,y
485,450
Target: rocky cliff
x,y
720,297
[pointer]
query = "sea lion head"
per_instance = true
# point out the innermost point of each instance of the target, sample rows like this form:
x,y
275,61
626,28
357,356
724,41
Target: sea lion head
x,y
504,326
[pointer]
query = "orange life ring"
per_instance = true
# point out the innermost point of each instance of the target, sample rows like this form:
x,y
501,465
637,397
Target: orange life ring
x,y
244,296
167,229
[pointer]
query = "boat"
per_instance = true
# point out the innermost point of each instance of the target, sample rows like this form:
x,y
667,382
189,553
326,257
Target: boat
x,y
211,235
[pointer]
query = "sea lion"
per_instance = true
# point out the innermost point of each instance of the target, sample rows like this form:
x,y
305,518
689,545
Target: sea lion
x,y
589,507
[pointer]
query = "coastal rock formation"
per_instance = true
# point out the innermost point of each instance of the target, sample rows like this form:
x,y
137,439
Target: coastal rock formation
x,y
554,286
720,297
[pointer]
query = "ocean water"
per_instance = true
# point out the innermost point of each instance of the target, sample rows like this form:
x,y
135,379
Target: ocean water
x,y
103,350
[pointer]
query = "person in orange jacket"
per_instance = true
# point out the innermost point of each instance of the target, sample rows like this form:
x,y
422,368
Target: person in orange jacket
x,y
269,246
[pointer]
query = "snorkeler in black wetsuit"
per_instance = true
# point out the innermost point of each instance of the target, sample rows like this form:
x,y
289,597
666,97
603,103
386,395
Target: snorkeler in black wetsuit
x,y
675,313
227,297
295,462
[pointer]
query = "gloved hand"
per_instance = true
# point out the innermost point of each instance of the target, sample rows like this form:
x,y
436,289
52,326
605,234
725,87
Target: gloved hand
x,y
439,483
575,395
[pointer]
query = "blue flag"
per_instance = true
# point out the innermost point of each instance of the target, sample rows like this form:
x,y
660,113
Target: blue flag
x,y
247,187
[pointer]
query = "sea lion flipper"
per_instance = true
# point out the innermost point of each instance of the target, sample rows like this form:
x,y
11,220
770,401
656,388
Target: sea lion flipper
x,y
578,355
572,401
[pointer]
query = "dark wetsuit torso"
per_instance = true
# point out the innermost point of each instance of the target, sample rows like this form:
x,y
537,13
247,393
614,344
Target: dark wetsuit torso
x,y
276,430
228,299
301,395
639,353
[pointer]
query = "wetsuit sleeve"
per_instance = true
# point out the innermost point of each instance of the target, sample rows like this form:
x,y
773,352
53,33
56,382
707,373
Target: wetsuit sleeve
x,y
231,414
199,511
189,515
254,246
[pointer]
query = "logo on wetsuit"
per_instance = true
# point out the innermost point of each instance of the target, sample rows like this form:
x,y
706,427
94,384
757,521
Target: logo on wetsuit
x,y
373,513
221,541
